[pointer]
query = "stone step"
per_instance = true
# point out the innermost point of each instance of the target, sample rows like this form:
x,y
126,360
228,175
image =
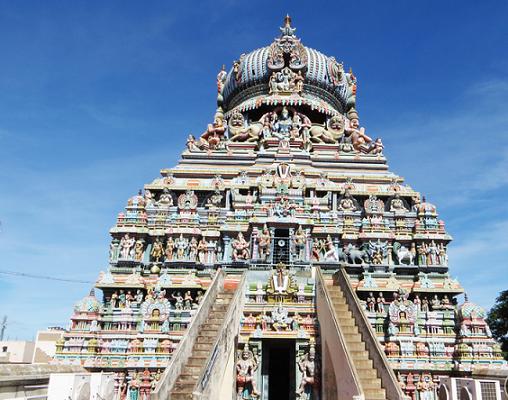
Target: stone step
x,y
356,346
371,394
205,339
364,364
348,328
191,370
196,361
374,383
202,346
182,395
208,333
345,321
200,353
352,338
210,327
366,374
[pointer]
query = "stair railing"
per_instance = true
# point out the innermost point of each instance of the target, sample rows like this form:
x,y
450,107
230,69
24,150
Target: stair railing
x,y
208,385
385,372
349,387
183,352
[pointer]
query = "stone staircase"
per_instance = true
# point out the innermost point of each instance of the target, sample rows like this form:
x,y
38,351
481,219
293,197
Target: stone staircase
x,y
208,332
369,380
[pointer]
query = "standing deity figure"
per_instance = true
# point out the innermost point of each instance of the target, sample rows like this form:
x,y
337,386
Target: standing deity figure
x,y
178,300
300,240
371,302
157,250
307,367
193,249
181,245
330,250
126,247
170,249
422,254
443,257
240,248
380,303
432,254
221,79
245,379
202,250
138,250
264,240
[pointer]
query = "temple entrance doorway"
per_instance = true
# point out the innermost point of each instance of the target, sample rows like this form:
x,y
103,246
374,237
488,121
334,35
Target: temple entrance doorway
x,y
278,369
281,246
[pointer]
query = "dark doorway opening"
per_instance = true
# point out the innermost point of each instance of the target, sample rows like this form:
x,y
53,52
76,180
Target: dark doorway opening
x,y
281,246
279,368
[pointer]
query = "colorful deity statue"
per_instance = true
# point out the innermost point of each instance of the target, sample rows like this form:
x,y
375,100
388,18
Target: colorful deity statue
x,y
245,375
264,241
240,248
307,367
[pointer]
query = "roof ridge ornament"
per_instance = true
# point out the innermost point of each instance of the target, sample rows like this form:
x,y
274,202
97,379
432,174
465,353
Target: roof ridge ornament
x,y
287,51
287,29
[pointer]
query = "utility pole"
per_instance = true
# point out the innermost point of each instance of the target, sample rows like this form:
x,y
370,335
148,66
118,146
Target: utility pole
x,y
2,327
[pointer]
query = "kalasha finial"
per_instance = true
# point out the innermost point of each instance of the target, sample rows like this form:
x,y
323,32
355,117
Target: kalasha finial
x,y
466,299
287,29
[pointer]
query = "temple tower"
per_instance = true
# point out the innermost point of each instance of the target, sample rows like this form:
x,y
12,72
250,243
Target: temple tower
x,y
282,243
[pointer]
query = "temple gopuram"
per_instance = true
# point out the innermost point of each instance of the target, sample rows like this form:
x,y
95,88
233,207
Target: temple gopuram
x,y
280,259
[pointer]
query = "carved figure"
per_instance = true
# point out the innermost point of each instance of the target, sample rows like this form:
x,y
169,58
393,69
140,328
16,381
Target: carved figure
x,y
138,250
157,250
347,203
264,240
307,367
402,253
240,248
245,380
300,240
170,248
239,133
126,247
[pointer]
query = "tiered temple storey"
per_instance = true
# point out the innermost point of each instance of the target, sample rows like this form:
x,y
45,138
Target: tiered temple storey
x,y
286,185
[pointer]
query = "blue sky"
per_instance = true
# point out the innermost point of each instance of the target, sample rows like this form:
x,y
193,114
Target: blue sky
x,y
96,98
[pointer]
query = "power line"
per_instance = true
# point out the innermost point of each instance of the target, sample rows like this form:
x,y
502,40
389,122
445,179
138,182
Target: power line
x,y
46,277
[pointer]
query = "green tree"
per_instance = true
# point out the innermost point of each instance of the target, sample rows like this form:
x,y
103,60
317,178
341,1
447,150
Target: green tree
x,y
498,321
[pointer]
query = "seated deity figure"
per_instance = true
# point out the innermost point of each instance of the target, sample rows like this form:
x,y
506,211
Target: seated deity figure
x,y
126,247
300,240
397,205
361,142
245,379
165,199
282,125
214,134
240,248
264,240
307,367
347,203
